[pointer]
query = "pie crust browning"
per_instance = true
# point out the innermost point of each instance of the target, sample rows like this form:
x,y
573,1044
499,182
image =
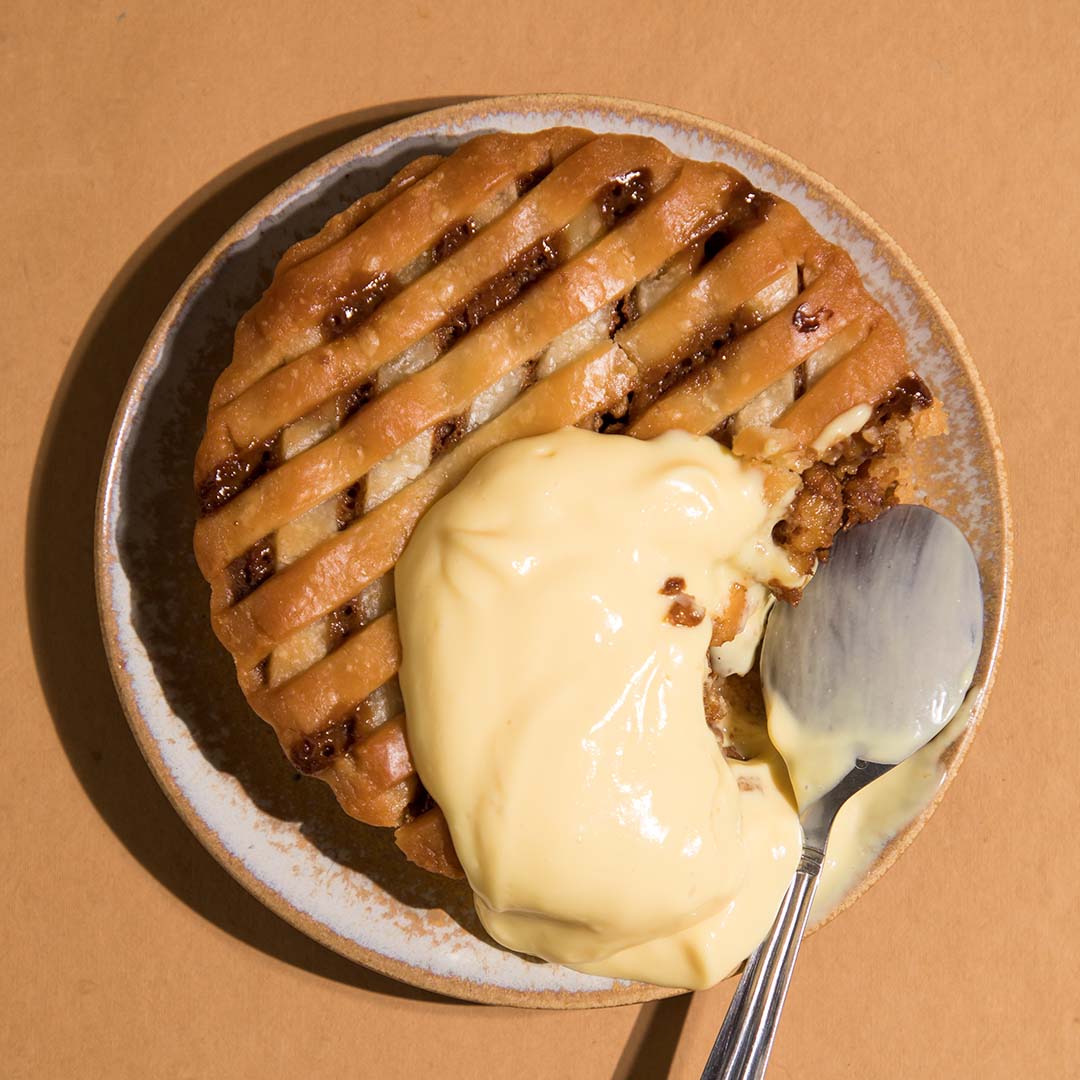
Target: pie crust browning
x,y
523,284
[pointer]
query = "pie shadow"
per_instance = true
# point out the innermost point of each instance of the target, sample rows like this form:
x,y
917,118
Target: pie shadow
x,y
169,597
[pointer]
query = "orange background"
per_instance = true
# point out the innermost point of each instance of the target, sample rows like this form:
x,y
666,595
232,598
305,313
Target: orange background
x,y
133,135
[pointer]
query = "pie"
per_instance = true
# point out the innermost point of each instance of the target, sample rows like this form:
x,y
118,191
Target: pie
x,y
522,284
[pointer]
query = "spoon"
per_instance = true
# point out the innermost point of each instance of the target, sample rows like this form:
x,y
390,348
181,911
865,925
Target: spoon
x,y
871,664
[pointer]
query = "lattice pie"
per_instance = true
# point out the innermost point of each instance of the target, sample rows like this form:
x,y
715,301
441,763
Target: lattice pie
x,y
523,284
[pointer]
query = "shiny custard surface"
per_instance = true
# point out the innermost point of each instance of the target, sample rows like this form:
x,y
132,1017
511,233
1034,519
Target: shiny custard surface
x,y
555,706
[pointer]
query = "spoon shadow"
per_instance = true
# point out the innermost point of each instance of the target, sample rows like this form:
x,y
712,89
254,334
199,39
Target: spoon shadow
x,y
653,1041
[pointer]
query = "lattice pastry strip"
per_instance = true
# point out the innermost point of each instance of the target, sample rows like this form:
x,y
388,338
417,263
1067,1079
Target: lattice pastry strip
x,y
523,284
288,390
600,274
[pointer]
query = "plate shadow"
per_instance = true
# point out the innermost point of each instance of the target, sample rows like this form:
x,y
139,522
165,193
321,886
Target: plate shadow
x,y
169,596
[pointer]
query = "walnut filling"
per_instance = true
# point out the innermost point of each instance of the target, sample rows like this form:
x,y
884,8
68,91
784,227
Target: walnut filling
x,y
613,422
447,435
452,239
815,517
522,271
250,570
529,180
623,195
357,397
800,381
346,620
312,753
855,482
735,712
626,311
706,344
352,307
806,321
684,611
236,473
421,804
350,504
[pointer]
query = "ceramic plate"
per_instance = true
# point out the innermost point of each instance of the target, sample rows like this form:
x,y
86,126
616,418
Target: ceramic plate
x,y
285,839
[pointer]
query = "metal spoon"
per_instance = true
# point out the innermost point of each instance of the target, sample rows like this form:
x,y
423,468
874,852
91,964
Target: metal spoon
x,y
876,658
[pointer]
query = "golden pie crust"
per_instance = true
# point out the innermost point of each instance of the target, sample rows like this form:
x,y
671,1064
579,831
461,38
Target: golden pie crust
x,y
522,284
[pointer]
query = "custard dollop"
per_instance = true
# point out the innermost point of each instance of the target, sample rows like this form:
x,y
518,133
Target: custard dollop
x,y
553,688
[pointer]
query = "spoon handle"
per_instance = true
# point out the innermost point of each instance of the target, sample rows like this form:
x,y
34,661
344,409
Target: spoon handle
x,y
742,1048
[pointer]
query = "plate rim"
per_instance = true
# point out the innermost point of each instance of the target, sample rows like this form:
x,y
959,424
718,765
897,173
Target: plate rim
x,y
145,366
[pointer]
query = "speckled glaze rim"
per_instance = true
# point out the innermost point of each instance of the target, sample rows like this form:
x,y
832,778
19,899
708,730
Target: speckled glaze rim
x,y
572,106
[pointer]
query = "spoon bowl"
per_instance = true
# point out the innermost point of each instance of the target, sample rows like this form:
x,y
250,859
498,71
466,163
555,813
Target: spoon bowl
x,y
873,662
878,656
